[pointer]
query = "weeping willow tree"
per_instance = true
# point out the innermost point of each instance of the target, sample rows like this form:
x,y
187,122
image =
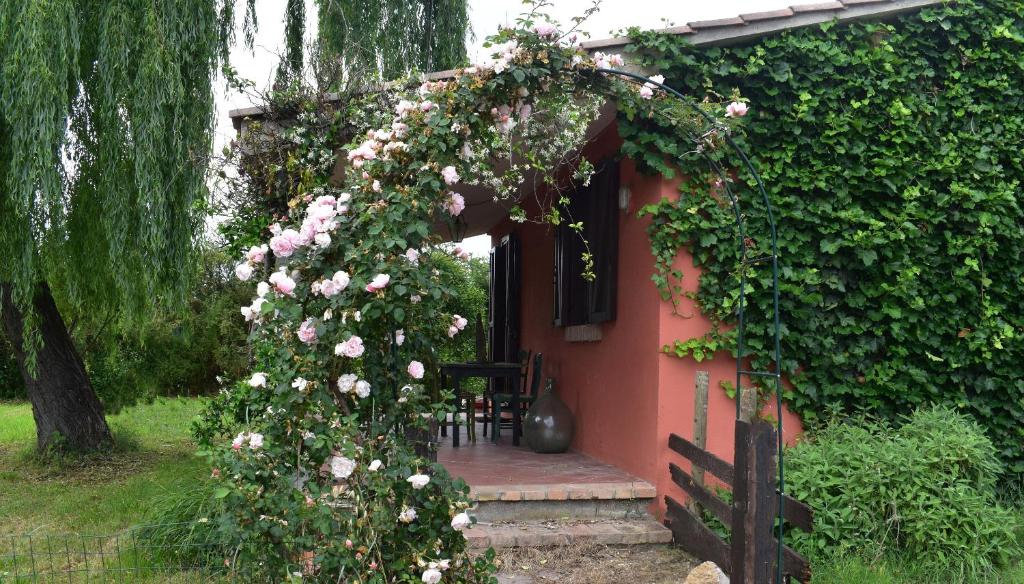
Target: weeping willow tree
x,y
106,125
387,37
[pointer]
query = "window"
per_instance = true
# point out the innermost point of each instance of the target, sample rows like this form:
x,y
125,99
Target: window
x,y
578,301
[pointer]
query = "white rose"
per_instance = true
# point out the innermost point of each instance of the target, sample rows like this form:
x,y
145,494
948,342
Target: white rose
x,y
362,388
347,382
418,481
342,467
255,441
461,521
431,576
243,271
375,465
258,380
408,515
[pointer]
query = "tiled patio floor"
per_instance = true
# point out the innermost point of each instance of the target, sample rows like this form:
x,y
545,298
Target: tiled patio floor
x,y
485,464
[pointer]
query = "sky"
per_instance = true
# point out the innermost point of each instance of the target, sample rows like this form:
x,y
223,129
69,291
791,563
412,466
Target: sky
x,y
486,16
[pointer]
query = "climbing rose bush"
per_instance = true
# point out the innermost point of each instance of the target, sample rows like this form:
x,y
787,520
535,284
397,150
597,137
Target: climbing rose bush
x,y
328,478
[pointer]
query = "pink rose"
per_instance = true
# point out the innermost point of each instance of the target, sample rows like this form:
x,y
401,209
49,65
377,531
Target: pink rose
x,y
256,253
455,204
286,243
282,283
646,92
307,331
450,175
416,369
352,348
736,109
378,283
545,29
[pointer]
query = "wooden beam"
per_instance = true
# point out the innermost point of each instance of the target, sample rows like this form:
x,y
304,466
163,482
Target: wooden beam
x,y
692,535
796,513
765,499
741,534
699,494
794,564
700,457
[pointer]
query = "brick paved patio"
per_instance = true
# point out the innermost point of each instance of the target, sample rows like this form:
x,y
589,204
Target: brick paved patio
x,y
509,473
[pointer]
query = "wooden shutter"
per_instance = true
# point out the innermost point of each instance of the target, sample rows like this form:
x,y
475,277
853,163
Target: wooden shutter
x,y
576,300
602,229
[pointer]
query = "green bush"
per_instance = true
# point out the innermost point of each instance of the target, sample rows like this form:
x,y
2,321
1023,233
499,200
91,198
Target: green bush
x,y
924,490
179,352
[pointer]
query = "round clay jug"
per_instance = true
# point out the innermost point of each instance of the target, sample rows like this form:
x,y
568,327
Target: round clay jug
x,y
549,424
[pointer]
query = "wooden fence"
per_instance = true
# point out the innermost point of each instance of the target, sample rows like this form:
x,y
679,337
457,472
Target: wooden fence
x,y
751,555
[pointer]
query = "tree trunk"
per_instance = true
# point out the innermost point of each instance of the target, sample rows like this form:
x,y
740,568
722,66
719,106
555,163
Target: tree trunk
x,y
67,413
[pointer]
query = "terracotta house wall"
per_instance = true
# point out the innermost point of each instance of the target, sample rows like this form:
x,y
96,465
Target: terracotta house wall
x,y
626,395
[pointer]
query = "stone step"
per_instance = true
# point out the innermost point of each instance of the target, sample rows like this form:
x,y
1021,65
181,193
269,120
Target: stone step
x,y
626,500
567,532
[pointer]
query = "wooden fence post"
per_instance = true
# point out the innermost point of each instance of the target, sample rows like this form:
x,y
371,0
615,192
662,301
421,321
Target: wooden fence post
x,y
753,514
700,430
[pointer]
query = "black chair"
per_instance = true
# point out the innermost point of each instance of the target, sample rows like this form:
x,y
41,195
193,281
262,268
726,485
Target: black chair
x,y
501,400
487,398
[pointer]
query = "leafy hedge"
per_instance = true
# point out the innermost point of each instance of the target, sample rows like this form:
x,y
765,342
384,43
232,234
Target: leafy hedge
x,y
924,490
892,155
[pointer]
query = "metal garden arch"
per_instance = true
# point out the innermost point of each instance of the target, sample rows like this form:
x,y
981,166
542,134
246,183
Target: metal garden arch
x,y
773,259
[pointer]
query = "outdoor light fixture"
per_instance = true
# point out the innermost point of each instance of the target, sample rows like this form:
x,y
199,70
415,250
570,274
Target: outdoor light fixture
x,y
624,198
457,228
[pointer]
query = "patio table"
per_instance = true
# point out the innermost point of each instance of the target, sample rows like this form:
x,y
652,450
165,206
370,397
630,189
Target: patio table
x,y
459,371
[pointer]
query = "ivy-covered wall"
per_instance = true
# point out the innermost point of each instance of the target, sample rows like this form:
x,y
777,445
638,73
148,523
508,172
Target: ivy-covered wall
x,y
892,152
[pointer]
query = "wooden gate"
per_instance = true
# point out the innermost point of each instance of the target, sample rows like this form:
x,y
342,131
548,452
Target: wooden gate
x,y
751,556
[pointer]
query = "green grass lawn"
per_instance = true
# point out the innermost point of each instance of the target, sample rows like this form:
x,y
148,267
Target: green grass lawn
x,y
68,518
154,457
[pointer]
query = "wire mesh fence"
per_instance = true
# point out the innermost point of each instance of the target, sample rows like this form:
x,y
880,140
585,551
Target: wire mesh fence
x,y
137,554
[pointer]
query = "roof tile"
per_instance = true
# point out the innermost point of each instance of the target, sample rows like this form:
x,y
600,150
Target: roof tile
x,y
681,29
767,15
818,7
717,23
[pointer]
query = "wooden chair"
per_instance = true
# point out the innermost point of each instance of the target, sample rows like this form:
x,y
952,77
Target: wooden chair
x,y
489,393
500,401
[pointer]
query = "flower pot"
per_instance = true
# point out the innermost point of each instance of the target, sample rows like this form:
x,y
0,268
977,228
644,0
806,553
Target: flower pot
x,y
549,425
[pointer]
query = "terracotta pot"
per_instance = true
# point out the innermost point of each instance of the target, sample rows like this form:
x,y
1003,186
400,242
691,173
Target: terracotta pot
x,y
549,425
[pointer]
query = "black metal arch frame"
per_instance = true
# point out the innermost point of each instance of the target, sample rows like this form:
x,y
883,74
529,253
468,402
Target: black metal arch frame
x,y
776,374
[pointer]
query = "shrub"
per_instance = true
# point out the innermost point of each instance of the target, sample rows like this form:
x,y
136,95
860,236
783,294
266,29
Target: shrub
x,y
924,490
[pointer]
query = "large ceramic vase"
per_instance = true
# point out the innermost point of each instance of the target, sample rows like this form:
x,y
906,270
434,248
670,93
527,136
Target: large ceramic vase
x,y
549,424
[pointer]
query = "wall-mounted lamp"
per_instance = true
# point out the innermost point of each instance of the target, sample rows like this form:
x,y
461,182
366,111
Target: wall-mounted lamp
x,y
457,228
624,198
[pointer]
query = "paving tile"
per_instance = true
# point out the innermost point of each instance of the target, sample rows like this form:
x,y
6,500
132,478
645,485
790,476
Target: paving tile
x,y
485,464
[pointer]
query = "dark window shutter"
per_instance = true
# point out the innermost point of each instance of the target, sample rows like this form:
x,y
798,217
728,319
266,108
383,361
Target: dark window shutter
x,y
603,234
576,300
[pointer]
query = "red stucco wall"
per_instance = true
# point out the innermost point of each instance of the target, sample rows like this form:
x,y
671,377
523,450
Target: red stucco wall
x,y
628,396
